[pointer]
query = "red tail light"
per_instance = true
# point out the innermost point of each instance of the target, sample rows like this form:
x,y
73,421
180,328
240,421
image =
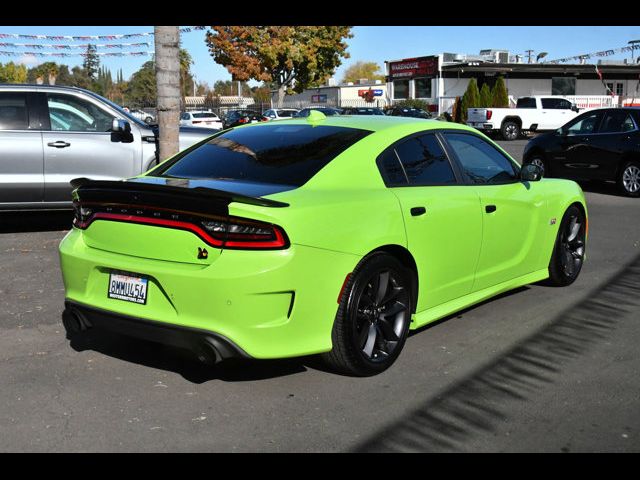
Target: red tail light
x,y
265,119
197,121
223,232
489,113
243,120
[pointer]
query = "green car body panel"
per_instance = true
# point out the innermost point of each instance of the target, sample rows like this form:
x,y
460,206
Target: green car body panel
x,y
282,303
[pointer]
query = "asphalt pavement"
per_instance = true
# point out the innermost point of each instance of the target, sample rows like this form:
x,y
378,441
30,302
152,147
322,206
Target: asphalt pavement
x,y
539,369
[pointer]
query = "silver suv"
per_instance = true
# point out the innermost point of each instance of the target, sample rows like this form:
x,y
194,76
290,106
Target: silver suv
x,y
50,135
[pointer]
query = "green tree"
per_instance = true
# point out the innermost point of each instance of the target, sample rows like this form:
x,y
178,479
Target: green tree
x,y
485,96
141,88
228,88
470,99
368,70
13,73
91,62
186,77
64,76
500,96
80,78
413,103
292,57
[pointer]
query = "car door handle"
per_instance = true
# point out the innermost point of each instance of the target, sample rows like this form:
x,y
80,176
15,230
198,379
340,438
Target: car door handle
x,y
59,144
417,211
490,208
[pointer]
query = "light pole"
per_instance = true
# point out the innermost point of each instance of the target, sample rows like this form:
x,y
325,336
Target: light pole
x,y
633,47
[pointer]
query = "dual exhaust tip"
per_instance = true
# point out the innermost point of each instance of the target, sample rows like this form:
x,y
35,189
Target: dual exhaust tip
x,y
76,322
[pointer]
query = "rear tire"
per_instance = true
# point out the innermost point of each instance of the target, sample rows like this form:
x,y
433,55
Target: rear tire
x,y
629,179
510,130
568,252
372,323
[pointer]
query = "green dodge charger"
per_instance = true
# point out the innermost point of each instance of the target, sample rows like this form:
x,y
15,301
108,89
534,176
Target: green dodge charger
x,y
323,235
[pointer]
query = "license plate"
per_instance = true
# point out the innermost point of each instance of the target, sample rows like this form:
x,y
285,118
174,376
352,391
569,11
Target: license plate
x,y
127,287
254,121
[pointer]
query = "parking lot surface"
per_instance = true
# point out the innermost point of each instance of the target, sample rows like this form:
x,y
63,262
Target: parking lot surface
x,y
538,369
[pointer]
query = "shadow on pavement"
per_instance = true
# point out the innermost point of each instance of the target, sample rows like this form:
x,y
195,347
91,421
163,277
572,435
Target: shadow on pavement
x,y
473,405
17,222
182,362
605,188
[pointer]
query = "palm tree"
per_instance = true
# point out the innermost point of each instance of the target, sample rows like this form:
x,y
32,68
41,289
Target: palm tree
x,y
167,47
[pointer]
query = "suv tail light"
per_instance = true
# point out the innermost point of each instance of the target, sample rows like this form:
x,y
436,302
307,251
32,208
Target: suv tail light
x,y
489,113
221,232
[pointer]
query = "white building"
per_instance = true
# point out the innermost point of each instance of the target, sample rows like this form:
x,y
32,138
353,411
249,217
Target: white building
x,y
439,79
362,93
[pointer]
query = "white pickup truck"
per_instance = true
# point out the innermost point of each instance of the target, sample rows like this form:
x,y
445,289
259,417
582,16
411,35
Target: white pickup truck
x,y
536,113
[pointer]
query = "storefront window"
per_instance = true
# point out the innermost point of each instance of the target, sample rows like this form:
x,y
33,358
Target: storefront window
x,y
423,87
563,86
401,89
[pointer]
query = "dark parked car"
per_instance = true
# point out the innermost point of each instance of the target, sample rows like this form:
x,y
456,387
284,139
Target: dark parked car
x,y
234,118
362,111
326,110
601,144
409,112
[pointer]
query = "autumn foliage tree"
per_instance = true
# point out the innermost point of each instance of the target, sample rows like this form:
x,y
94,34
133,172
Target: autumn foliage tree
x,y
291,58
359,70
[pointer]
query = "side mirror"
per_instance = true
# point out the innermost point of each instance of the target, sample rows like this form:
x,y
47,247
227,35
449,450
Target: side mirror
x,y
575,108
530,173
121,131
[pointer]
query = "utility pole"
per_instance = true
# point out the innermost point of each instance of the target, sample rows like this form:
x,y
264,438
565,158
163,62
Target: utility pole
x,y
529,52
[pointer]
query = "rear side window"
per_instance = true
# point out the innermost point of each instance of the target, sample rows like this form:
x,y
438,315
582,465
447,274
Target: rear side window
x,y
527,102
203,115
424,161
617,122
419,160
275,154
480,161
13,111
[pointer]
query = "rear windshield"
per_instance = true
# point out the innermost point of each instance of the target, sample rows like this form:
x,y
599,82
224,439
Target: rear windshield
x,y
277,154
202,115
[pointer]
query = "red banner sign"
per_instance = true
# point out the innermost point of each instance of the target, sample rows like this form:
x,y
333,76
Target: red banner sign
x,y
414,67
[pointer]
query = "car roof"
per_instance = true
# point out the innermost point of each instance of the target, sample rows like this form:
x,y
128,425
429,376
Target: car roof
x,y
374,123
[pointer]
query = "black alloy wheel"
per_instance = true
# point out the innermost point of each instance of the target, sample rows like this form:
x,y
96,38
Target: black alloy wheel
x,y
568,254
373,318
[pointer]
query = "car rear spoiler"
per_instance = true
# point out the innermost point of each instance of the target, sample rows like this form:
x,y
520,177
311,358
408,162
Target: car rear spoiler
x,y
132,192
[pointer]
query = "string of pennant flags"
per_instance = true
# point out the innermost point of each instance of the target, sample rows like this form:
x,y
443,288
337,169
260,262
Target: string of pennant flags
x,y
602,53
68,48
74,54
83,46
90,37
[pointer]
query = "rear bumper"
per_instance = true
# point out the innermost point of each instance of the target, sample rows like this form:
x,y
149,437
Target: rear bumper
x,y
481,125
208,346
270,304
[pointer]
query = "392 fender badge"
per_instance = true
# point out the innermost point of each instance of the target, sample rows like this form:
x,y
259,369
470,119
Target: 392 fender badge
x,y
552,221
202,253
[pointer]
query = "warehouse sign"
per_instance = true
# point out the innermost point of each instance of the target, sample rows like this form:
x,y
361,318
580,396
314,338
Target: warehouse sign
x,y
413,67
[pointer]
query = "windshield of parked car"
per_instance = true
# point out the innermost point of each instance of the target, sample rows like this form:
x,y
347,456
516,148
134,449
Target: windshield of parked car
x,y
275,154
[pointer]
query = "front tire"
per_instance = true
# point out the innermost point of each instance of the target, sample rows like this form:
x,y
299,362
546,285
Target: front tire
x,y
568,252
372,323
538,159
629,179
